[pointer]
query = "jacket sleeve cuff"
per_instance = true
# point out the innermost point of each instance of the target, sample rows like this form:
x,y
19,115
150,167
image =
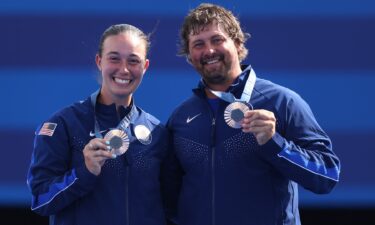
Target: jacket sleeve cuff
x,y
86,179
272,147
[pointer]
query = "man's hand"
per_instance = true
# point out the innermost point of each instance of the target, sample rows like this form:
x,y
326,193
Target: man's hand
x,y
261,123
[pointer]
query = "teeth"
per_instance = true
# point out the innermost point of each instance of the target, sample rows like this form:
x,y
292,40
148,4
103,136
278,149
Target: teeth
x,y
212,61
121,81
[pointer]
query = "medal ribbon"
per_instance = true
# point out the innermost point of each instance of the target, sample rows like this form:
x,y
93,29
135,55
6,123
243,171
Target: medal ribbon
x,y
124,123
246,94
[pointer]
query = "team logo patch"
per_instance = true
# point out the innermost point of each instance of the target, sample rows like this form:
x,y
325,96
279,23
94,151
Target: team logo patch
x,y
143,134
47,129
189,119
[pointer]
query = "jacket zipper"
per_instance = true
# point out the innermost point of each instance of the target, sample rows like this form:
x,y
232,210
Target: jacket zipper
x,y
213,149
127,195
213,167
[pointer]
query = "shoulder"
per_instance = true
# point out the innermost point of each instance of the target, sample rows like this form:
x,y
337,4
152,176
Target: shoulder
x,y
149,117
279,99
267,92
152,119
69,114
283,101
78,109
190,104
268,89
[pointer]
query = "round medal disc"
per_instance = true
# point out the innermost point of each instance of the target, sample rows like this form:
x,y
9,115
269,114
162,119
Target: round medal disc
x,y
143,134
234,113
118,140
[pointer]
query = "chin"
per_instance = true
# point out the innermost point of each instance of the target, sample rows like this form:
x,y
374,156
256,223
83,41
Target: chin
x,y
214,78
121,93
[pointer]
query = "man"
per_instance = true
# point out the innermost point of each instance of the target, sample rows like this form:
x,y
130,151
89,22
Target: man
x,y
240,144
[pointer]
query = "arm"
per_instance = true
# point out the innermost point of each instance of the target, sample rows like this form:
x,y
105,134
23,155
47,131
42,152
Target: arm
x,y
301,151
53,181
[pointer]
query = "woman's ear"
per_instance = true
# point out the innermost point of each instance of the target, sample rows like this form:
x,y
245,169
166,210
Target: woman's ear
x,y
147,64
98,60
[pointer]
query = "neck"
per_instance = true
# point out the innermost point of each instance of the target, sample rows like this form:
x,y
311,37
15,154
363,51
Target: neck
x,y
118,101
223,87
220,87
209,93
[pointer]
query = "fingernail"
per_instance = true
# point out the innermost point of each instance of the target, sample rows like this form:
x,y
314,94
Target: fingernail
x,y
107,142
114,156
109,147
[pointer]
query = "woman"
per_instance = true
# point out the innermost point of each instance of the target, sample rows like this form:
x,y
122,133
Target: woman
x,y
98,161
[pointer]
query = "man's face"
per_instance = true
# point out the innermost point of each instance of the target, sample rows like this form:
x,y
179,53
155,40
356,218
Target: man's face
x,y
214,55
122,65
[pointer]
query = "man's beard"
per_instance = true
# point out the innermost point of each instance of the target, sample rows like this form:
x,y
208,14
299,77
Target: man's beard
x,y
218,76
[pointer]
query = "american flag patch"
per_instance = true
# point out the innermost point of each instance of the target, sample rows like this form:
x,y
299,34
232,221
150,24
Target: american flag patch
x,y
47,129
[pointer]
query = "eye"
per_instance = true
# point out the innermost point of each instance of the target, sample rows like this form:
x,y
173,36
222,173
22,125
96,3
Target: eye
x,y
198,45
134,61
217,40
114,59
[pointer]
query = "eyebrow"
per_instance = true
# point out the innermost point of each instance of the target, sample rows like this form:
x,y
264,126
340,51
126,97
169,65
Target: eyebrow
x,y
113,53
117,53
218,36
213,36
198,40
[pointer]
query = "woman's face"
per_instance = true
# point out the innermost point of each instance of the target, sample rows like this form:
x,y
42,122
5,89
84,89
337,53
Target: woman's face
x,y
122,64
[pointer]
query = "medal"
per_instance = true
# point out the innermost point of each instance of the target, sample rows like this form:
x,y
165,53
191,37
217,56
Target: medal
x,y
234,113
118,141
143,134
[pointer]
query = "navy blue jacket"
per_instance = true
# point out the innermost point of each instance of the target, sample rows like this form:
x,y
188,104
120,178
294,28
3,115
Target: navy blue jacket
x,y
127,191
219,175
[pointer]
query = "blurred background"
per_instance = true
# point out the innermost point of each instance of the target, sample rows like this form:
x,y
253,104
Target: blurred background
x,y
322,49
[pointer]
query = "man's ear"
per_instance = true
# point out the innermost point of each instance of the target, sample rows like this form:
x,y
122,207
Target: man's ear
x,y
237,43
188,59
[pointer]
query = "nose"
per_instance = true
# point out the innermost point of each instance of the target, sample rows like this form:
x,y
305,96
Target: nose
x,y
209,50
124,67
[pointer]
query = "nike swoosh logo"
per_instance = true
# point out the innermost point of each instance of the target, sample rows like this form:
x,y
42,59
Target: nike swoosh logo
x,y
188,120
92,134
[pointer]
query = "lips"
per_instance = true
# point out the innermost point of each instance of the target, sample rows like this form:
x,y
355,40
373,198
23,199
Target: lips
x,y
121,81
211,60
